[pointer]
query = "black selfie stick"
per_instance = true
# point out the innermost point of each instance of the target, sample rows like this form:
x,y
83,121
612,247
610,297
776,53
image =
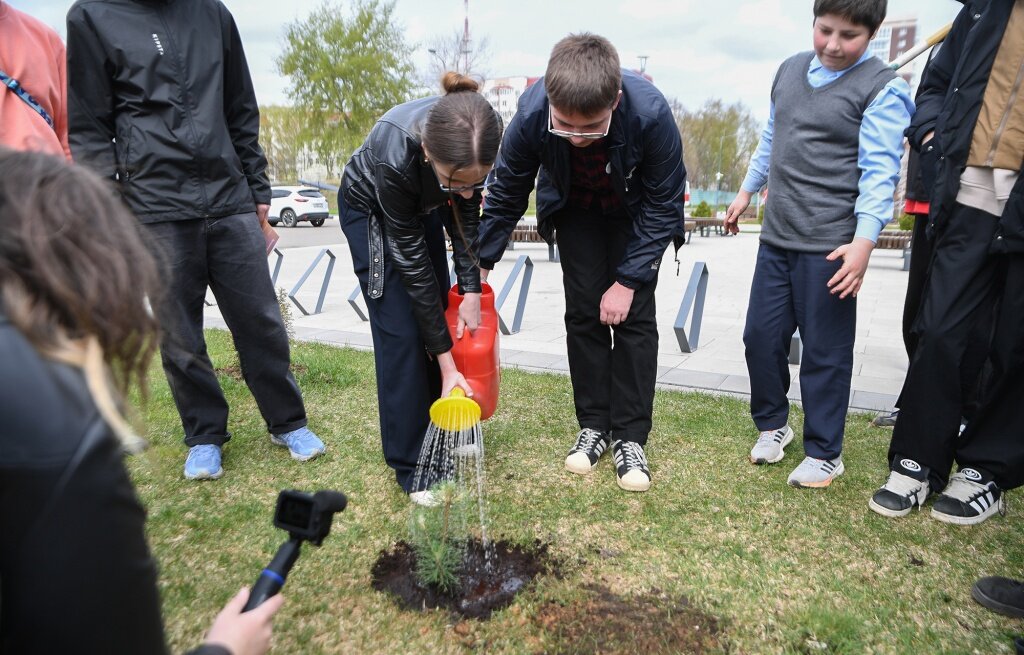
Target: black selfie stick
x,y
272,578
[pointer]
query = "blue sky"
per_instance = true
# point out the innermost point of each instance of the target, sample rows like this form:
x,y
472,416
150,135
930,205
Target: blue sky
x,y
729,51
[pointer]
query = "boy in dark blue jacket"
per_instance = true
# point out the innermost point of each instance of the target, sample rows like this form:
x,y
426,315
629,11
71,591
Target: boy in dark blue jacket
x,y
831,157
605,152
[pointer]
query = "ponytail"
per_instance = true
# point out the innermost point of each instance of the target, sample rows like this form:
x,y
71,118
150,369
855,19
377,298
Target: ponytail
x,y
453,82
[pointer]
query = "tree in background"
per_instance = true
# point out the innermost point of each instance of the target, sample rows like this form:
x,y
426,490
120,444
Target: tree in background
x,y
346,71
281,137
447,54
716,138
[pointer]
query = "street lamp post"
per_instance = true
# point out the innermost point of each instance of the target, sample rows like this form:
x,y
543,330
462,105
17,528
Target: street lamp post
x,y
440,59
719,175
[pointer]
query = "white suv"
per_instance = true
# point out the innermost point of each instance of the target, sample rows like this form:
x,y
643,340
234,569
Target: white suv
x,y
291,204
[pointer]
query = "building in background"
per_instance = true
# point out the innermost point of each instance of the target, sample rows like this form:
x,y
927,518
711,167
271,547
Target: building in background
x,y
503,93
895,37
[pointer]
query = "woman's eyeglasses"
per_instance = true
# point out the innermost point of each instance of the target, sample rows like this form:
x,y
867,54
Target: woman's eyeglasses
x,y
479,186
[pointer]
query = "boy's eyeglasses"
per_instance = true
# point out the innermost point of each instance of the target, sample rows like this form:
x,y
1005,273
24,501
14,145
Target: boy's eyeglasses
x,y
479,186
579,135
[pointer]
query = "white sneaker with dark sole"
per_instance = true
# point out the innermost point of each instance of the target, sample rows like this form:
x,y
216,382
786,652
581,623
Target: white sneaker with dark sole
x,y
815,473
770,445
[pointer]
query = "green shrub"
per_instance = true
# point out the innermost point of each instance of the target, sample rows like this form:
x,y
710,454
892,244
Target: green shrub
x,y
702,210
438,535
906,222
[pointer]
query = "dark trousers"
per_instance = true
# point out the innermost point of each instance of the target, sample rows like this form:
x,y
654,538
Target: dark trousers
x,y
964,285
613,368
788,292
994,438
920,260
228,255
408,379
977,346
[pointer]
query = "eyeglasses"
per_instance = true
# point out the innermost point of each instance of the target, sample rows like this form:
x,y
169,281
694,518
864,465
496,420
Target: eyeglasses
x,y
579,135
482,184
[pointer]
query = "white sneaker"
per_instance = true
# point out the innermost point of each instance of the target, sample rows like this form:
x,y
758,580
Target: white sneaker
x,y
770,445
816,473
424,498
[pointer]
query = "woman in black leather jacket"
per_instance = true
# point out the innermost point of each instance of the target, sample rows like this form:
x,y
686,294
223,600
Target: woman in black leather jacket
x,y
76,575
420,171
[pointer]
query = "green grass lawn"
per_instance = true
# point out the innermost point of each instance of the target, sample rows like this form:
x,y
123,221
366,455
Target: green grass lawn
x,y
783,570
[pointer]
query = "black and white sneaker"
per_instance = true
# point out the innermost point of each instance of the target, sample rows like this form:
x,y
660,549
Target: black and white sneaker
x,y
631,466
906,488
590,445
970,497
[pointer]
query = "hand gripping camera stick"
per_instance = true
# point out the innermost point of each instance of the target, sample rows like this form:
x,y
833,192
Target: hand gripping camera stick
x,y
305,518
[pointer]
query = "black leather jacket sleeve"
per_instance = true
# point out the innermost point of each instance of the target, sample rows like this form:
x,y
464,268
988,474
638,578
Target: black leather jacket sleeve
x,y
403,231
465,235
241,111
389,178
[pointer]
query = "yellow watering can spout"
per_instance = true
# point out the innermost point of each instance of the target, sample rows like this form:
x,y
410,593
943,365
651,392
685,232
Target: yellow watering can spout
x,y
456,412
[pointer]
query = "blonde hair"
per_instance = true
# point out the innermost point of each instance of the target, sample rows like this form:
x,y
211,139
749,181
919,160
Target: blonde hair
x,y
76,278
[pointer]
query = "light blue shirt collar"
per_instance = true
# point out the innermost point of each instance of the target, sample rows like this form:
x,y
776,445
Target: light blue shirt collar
x,y
819,69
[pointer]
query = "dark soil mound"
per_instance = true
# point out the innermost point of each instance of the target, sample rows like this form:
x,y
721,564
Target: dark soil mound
x,y
603,622
482,588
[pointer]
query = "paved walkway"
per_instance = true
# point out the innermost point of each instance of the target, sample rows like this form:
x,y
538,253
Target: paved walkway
x,y
717,365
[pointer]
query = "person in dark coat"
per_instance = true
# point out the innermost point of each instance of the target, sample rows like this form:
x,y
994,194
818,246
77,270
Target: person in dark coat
x,y
969,129
603,149
420,172
76,575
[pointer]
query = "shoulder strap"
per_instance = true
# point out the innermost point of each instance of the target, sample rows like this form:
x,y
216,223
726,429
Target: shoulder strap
x,y
15,86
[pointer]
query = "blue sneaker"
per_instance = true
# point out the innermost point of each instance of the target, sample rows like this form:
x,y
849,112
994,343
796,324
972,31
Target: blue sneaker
x,y
203,463
302,443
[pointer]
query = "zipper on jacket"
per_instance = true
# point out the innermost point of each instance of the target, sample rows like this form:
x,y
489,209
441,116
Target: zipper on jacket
x,y
183,93
990,160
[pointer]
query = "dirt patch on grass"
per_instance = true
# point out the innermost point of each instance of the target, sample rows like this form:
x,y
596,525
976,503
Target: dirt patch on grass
x,y
487,581
604,622
234,371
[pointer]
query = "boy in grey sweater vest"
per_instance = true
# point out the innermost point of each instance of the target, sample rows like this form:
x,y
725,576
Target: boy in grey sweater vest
x,y
831,157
